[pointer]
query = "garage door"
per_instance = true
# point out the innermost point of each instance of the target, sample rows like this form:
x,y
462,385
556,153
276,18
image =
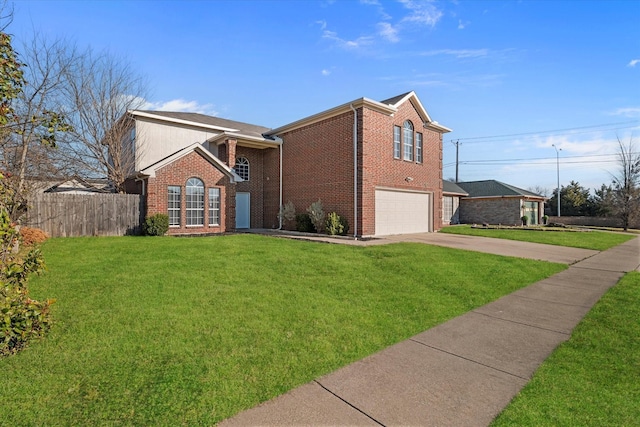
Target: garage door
x,y
399,212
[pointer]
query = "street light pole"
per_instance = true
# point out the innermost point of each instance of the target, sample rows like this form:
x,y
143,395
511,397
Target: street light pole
x,y
558,172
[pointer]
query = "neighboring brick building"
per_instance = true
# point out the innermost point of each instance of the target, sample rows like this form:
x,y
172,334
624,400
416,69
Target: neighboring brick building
x,y
494,202
378,164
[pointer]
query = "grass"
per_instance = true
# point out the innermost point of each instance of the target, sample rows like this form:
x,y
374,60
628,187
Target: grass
x,y
189,331
596,240
592,379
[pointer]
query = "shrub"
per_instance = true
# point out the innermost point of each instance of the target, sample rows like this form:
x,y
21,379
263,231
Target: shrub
x,y
525,219
31,236
287,212
156,225
21,318
316,213
336,225
304,224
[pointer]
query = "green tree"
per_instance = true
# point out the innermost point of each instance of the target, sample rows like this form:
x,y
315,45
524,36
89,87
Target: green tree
x,y
603,200
22,318
575,200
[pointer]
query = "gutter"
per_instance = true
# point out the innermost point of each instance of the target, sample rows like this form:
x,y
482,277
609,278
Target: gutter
x,y
355,172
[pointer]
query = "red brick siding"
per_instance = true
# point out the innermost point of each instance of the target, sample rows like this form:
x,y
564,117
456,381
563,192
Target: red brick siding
x,y
193,165
255,184
380,169
318,164
271,188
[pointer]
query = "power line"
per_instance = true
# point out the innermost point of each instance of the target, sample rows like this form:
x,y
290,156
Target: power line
x,y
555,131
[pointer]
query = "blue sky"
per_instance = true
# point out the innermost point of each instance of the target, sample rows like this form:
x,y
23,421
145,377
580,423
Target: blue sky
x,y
510,78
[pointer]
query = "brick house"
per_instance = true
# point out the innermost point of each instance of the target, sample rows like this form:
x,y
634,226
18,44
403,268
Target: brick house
x,y
494,202
377,164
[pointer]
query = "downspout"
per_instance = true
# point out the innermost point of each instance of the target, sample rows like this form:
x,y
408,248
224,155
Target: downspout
x,y
355,172
280,213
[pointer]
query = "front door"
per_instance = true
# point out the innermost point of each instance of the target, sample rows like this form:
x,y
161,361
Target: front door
x,y
243,205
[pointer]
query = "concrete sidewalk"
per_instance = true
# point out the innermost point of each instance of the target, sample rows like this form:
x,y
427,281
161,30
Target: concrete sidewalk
x,y
462,372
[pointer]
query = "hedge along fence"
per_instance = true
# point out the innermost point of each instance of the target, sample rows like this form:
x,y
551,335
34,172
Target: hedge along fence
x,y
97,214
594,221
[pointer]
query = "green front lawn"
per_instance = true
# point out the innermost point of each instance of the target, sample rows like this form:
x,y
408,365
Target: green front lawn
x,y
597,240
189,331
594,378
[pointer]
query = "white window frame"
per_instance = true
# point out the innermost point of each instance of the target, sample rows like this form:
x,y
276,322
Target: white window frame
x,y
174,205
214,206
194,206
242,168
419,148
408,141
397,136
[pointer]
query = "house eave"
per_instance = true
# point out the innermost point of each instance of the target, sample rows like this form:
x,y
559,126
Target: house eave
x,y
180,121
150,171
245,140
335,111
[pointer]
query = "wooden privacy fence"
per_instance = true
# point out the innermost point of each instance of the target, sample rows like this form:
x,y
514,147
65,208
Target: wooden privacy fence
x,y
98,214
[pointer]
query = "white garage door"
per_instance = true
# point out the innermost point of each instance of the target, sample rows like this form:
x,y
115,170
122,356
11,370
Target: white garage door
x,y
399,212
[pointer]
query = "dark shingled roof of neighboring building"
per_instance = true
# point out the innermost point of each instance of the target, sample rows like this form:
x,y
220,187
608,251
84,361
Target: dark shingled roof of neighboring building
x,y
452,188
493,188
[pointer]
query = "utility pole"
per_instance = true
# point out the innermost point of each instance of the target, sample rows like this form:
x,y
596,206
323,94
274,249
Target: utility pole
x,y
558,172
457,144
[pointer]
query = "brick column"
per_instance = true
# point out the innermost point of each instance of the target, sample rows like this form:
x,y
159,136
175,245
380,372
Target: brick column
x,y
231,152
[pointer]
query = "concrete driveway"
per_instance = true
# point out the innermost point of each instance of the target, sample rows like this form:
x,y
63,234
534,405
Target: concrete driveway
x,y
537,251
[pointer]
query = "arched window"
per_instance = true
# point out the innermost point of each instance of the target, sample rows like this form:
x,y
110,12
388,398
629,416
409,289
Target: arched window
x,y
242,168
195,202
408,141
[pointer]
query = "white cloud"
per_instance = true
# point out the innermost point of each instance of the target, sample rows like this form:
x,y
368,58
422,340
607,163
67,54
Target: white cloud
x,y
421,13
388,32
326,72
323,24
346,44
462,25
633,63
458,53
632,112
180,105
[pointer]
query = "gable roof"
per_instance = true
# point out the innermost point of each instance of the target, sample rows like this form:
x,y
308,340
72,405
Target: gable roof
x,y
388,107
195,147
493,188
204,121
449,187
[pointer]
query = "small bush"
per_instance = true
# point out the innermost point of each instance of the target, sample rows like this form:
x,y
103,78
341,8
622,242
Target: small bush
x,y
525,219
287,212
31,236
23,318
304,224
156,225
336,225
316,213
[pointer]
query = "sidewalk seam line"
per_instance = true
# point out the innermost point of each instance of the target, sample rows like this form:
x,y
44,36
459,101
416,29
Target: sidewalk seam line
x,y
354,407
470,360
527,324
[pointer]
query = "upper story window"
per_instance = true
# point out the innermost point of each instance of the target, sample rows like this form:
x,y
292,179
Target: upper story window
x,y
419,147
242,168
195,202
408,141
396,142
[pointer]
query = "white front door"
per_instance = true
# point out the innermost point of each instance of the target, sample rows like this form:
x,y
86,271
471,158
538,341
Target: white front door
x,y
243,207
